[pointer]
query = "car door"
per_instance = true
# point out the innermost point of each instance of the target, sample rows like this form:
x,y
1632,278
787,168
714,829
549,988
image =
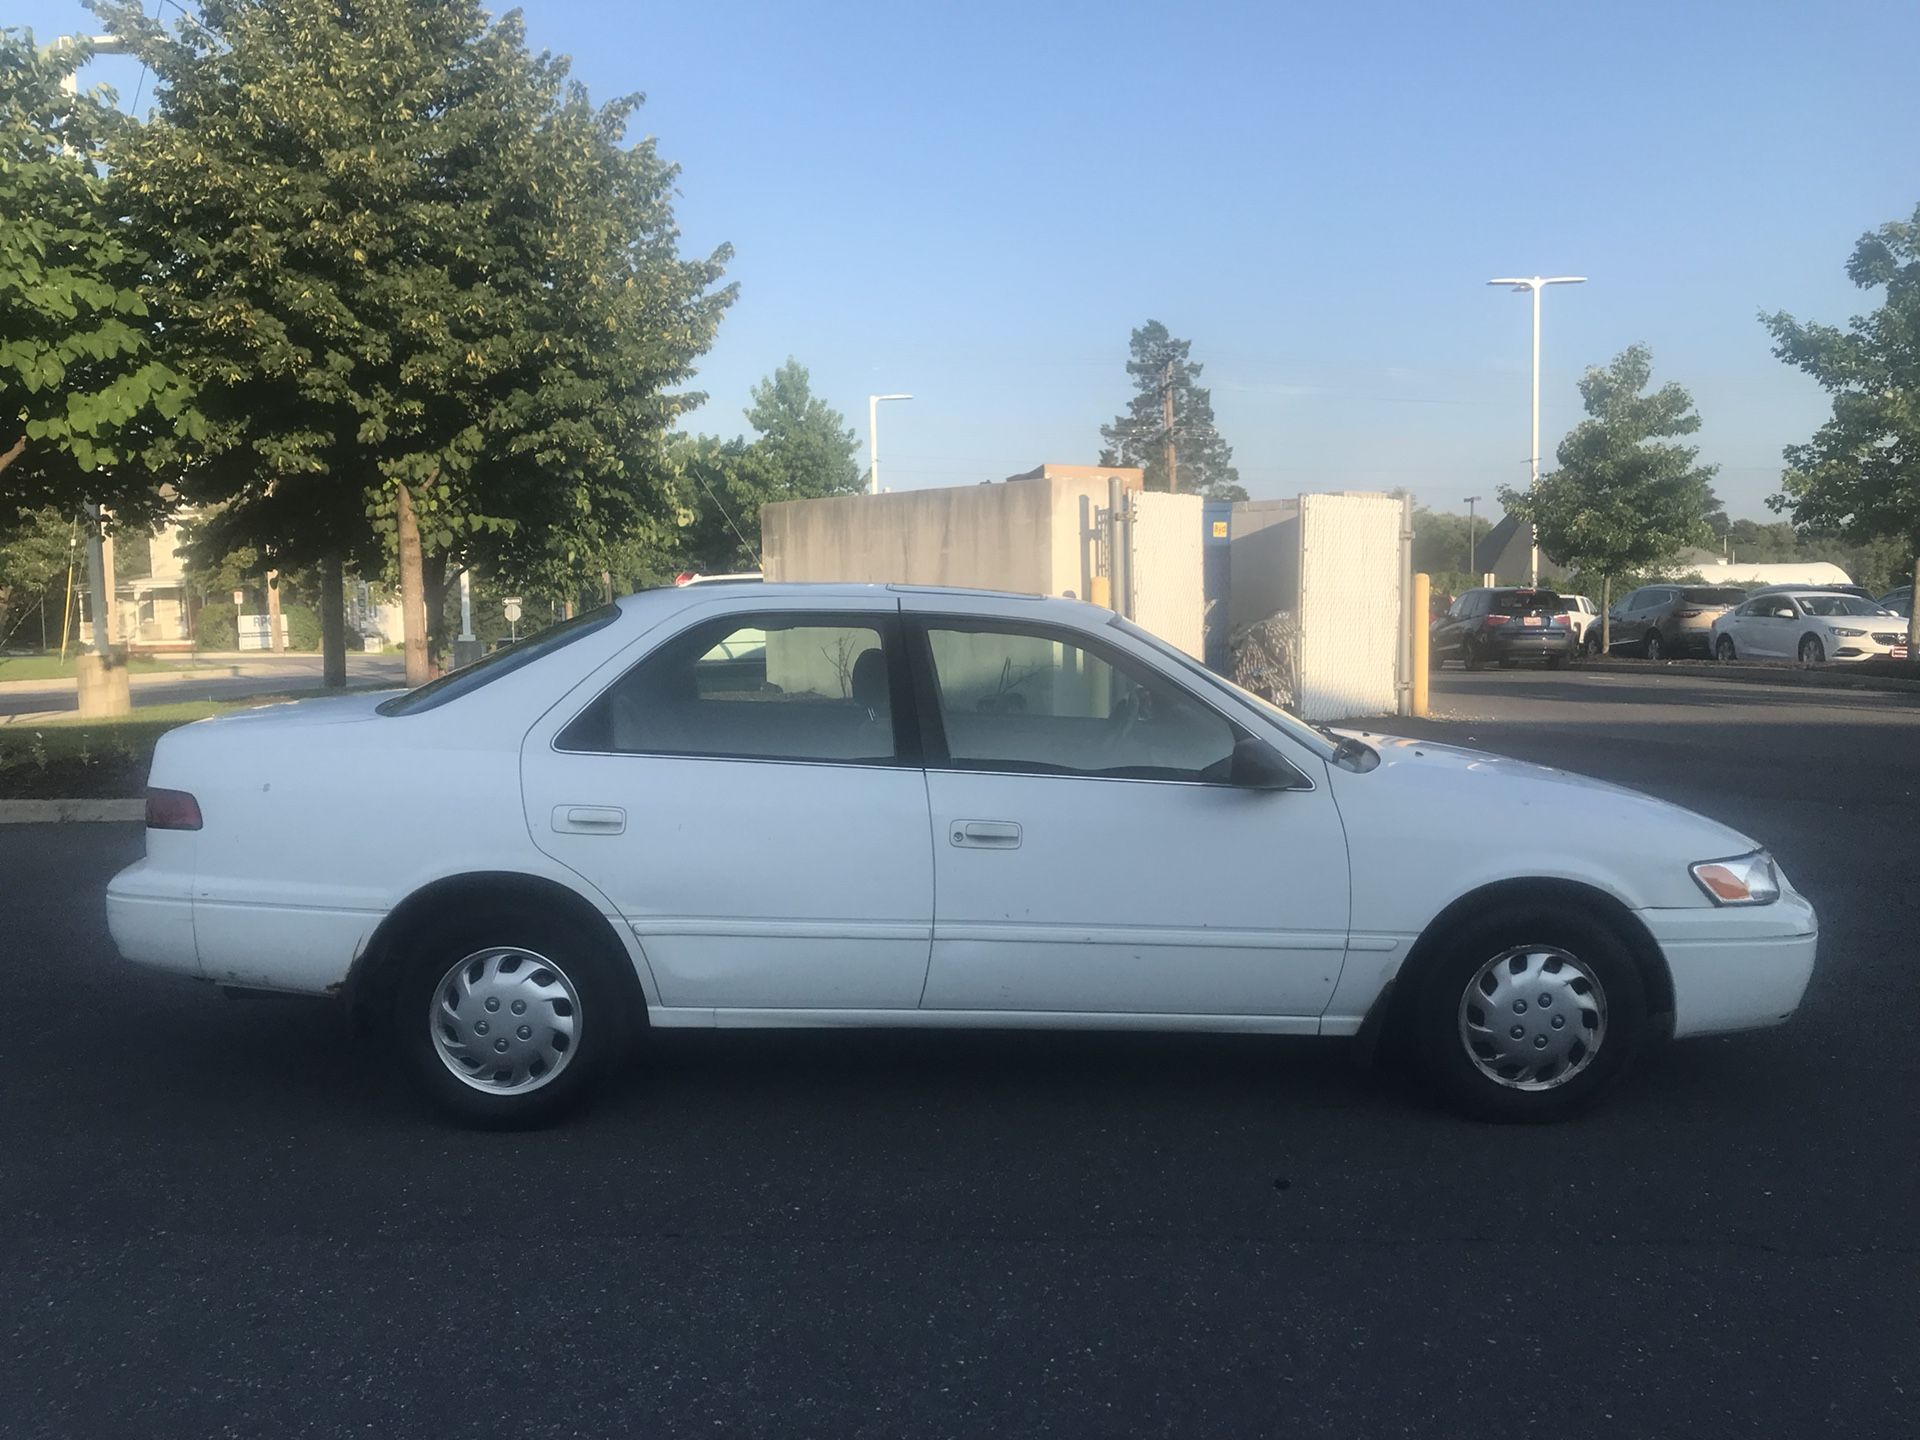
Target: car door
x,y
1774,634
1089,854
1445,642
748,794
1620,620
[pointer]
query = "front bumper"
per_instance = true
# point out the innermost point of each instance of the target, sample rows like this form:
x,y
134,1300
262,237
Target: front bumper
x,y
1736,968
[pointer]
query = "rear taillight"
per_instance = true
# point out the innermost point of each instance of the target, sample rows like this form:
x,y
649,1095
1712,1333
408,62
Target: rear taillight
x,y
1563,621
172,810
1493,620
683,577
1686,614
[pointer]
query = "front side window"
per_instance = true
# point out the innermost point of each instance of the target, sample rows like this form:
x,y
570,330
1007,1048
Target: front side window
x,y
751,687
1033,701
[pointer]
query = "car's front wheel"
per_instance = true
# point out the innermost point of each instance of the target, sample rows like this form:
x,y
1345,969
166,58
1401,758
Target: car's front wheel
x,y
1723,648
1526,1014
1812,652
507,1021
1656,647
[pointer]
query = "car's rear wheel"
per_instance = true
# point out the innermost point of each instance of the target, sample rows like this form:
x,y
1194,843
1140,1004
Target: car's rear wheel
x,y
1470,656
508,1020
1723,648
1656,647
1526,1014
1592,642
1812,652
1554,662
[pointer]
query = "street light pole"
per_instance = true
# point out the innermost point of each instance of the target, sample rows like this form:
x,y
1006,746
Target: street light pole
x,y
1535,284
1473,574
873,439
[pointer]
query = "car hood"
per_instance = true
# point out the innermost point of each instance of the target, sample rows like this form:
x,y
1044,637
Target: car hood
x,y
1492,792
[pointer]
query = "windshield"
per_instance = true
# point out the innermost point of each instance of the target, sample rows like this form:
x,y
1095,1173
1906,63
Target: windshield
x,y
1838,605
1317,738
524,651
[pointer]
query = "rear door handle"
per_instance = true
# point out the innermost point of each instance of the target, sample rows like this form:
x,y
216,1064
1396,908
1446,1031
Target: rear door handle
x,y
985,834
589,819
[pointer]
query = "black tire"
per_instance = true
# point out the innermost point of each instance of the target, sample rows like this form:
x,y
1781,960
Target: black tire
x,y
1509,664
1654,647
1554,662
1723,648
1591,643
1434,1023
1812,652
1470,656
602,1025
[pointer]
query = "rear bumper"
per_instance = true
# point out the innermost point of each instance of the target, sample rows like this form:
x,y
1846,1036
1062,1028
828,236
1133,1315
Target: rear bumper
x,y
150,916
1507,644
1736,969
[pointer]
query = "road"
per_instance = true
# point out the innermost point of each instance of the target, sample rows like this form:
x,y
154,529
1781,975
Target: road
x,y
222,1220
229,677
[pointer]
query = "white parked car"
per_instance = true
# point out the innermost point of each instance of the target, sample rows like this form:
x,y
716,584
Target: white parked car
x,y
1810,625
1581,613
929,808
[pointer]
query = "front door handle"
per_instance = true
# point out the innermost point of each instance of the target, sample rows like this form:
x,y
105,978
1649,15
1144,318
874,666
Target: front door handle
x,y
589,819
985,834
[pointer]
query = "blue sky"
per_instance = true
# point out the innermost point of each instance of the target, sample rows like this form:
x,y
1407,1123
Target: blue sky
x,y
976,203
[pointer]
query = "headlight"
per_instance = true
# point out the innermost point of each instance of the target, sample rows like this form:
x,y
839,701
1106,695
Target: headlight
x,y
1842,630
1743,880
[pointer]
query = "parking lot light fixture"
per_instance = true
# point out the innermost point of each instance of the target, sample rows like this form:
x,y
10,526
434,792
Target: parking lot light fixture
x,y
1534,284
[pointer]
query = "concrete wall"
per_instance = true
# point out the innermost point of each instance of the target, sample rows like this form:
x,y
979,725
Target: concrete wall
x,y
1023,535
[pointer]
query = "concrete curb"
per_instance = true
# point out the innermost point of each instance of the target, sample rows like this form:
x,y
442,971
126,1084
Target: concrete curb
x,y
1738,672
53,812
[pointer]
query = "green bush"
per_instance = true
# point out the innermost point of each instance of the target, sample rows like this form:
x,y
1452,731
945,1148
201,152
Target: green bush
x,y
303,627
215,627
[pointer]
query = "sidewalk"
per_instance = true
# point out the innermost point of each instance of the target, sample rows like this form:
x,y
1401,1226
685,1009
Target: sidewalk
x,y
1759,672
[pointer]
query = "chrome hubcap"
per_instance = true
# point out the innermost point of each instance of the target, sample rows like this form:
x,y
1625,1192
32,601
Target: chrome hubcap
x,y
505,1021
1533,1018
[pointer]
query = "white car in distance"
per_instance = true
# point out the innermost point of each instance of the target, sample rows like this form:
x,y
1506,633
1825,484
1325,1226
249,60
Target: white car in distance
x,y
1812,626
917,807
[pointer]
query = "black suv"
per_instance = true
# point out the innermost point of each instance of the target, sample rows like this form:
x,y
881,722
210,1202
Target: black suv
x,y
1507,625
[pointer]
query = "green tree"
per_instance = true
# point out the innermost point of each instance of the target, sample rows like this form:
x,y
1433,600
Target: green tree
x,y
1139,436
802,449
88,409
1625,498
35,552
428,294
1859,475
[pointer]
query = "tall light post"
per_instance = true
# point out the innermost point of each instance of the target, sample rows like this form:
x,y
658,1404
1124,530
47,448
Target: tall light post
x,y
1472,574
1535,284
873,439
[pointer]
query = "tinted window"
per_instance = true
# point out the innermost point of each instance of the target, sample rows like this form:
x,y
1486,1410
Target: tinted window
x,y
1028,700
456,683
1838,605
1527,602
1713,595
753,687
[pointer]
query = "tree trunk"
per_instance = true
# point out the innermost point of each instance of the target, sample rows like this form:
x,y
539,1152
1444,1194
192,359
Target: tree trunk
x,y
333,625
13,452
1913,611
413,598
274,642
1606,615
433,570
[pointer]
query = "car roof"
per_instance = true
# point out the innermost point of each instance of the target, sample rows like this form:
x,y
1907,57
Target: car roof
x,y
770,593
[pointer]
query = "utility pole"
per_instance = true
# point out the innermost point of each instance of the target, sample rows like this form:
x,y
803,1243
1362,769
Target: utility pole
x,y
1171,456
1473,574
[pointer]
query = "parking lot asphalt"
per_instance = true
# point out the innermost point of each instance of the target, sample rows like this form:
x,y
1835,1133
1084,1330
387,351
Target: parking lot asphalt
x,y
222,1218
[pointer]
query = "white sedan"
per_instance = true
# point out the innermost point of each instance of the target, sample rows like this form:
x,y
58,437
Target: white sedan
x,y
1810,625
920,807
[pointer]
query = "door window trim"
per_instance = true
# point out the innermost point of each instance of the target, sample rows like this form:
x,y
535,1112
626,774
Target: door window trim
x,y
926,689
887,623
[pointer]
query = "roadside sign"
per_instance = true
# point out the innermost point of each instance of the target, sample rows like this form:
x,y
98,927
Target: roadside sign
x,y
512,608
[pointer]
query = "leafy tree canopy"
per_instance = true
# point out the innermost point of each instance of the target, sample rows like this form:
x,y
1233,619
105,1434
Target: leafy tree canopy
x,y
1625,497
88,409
1138,436
1860,473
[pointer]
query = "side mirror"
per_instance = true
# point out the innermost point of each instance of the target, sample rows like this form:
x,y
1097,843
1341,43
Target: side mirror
x,y
1785,612
1256,765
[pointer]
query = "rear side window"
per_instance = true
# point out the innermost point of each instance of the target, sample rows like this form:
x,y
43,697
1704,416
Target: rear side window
x,y
456,683
765,687
1527,602
1713,595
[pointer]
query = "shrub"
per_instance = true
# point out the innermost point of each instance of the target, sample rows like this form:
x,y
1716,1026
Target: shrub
x,y
303,627
215,628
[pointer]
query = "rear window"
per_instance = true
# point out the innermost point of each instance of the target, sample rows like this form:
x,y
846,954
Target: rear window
x,y
1527,602
1713,595
456,683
